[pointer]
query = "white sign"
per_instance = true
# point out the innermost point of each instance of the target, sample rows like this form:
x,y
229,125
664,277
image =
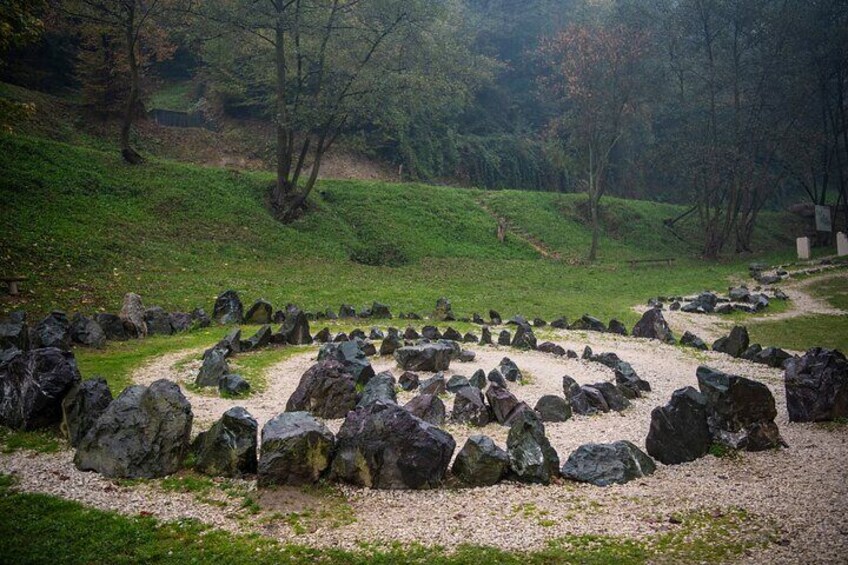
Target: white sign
x,y
823,222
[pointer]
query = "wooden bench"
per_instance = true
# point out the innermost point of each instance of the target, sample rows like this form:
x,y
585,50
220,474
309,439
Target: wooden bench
x,y
636,262
12,283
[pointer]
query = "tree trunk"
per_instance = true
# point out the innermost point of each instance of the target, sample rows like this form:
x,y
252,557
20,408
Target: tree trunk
x,y
282,188
596,228
130,155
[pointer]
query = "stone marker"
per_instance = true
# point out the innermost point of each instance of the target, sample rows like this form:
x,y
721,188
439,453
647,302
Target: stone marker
x,y
841,244
803,244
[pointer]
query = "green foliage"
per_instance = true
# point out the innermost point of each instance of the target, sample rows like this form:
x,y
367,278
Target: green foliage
x,y
803,332
40,441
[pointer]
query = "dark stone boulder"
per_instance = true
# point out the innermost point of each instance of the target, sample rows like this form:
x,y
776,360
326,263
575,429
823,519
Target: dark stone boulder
x,y
679,432
365,312
213,368
411,334
14,333
774,357
228,308
296,450
431,332
478,379
390,344
295,328
608,359
323,336
428,407
553,408
469,407
228,448
456,382
560,324
626,378
347,311
524,337
485,336
434,385
480,462
233,385
259,340
739,294
376,334
201,318
552,348
531,457
605,464
158,321
443,312
381,388
326,390
817,386
144,433
616,327
595,398
495,377
82,406
518,320
87,332
614,398
502,402
384,446
477,319
341,337
735,344
408,381
352,358
260,313
425,358
576,397
53,331
380,311
691,340
504,338
132,314
652,325
588,323
231,343
740,412
587,353
539,323
752,352
452,334
509,370
180,321
368,348
32,386
495,318
470,338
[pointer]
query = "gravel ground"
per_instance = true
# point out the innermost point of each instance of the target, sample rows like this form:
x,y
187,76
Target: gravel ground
x,y
799,494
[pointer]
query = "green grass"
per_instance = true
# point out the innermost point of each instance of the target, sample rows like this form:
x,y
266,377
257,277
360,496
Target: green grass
x,y
87,228
36,528
41,441
834,290
178,97
802,333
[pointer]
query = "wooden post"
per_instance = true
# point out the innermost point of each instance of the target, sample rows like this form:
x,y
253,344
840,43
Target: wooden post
x,y
501,230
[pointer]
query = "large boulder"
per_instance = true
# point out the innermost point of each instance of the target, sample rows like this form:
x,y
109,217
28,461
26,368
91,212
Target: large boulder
x,y
434,385
428,407
576,397
384,446
504,338
774,357
295,328
32,386
132,313
552,348
326,390
260,313
456,382
509,370
260,339
228,448
158,321
553,408
740,412
443,312
82,406
452,335
485,336
652,325
380,311
213,368
231,343
469,407
679,432
595,398
408,381
390,344
228,308
379,389
502,402
87,332
735,344
524,337
588,323
430,357
478,379
630,383
431,333
233,385
605,464
53,331
480,462
181,321
613,396
144,433
352,358
691,340
14,333
296,450
817,386
531,457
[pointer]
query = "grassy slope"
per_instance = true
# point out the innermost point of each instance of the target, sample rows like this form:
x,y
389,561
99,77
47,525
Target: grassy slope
x,y
86,229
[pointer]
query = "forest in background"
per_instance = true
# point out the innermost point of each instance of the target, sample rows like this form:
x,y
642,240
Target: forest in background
x,y
730,107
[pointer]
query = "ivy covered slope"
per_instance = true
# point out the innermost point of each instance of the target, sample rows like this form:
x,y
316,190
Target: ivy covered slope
x,y
86,228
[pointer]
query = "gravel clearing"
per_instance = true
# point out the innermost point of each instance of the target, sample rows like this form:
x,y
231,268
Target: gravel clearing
x,y
799,494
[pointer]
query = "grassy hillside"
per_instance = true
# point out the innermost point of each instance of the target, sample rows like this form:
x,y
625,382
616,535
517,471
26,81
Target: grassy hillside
x,y
86,228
